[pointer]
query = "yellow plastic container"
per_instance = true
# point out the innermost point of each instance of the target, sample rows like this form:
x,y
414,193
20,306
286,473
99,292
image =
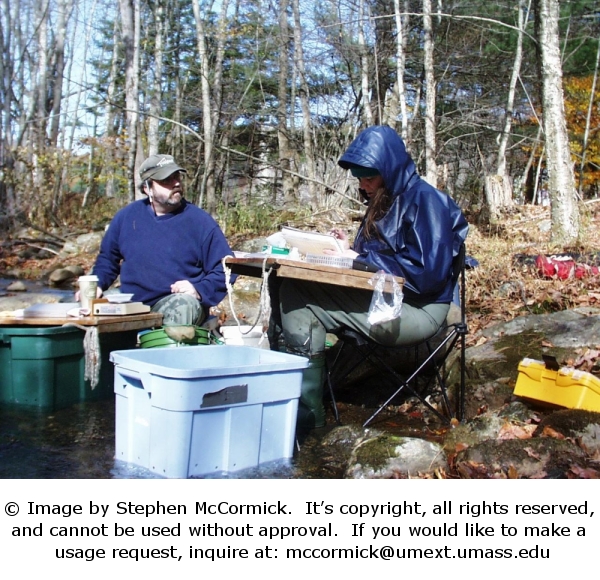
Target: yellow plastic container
x,y
566,387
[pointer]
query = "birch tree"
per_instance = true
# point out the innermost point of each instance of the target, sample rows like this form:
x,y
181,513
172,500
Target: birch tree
x,y
364,63
402,22
430,96
160,22
285,150
305,105
498,188
110,108
212,89
130,32
561,178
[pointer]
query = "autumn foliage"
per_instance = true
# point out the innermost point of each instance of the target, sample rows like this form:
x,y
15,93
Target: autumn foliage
x,y
577,104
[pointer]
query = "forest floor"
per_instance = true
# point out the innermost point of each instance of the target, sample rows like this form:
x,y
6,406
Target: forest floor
x,y
508,283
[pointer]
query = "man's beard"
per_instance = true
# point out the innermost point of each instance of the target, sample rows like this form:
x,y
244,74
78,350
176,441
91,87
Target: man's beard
x,y
174,198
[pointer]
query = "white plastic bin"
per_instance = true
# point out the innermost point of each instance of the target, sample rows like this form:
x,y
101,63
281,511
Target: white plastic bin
x,y
205,409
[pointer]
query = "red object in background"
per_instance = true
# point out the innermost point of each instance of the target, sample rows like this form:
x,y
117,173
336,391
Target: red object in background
x,y
563,267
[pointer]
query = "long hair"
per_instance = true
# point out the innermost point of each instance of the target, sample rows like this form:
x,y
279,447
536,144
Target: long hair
x,y
379,203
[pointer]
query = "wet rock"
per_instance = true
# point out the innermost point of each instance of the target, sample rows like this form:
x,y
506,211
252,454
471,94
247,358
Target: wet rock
x,y
13,273
89,243
83,244
568,328
479,429
518,411
17,286
537,458
11,303
513,420
345,435
27,253
488,396
576,424
388,456
45,255
60,276
76,269
569,422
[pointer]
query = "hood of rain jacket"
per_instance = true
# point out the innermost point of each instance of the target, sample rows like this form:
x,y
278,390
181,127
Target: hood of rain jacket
x,y
423,229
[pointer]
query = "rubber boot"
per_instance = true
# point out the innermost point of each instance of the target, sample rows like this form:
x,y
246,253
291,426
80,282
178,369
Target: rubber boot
x,y
311,412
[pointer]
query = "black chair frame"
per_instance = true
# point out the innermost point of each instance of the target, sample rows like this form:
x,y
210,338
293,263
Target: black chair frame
x,y
451,334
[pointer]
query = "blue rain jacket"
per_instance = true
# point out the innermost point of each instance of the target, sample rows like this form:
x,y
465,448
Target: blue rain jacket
x,y
423,229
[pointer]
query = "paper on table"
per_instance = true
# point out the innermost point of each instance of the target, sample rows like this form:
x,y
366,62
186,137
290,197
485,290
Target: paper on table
x,y
50,310
310,242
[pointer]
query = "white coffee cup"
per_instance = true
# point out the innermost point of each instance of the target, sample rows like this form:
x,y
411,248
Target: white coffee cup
x,y
88,286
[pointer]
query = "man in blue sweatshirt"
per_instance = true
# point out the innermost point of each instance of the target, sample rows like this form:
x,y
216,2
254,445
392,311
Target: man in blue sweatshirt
x,y
167,251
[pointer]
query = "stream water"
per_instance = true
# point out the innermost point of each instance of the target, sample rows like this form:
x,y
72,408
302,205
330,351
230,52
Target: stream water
x,y
79,441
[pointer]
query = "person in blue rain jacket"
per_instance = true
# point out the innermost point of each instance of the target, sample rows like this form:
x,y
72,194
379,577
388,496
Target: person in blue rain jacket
x,y
410,229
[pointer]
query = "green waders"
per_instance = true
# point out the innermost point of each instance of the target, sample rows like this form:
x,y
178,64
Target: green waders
x,y
311,412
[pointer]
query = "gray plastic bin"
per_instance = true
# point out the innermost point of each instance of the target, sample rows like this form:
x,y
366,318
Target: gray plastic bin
x,y
205,410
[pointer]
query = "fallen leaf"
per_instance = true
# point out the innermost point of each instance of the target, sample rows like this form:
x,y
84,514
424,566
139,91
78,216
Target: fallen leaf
x,y
584,472
511,431
512,472
549,432
532,453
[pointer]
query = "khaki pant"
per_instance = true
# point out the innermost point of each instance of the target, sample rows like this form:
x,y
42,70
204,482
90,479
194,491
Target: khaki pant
x,y
180,309
307,311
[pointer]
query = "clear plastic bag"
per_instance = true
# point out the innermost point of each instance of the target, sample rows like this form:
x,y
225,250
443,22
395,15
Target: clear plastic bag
x,y
385,305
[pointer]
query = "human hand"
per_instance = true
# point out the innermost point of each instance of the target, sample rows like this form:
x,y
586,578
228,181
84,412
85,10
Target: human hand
x,y
184,287
346,253
342,236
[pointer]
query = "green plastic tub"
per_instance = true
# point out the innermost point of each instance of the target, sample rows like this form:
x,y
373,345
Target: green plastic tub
x,y
44,367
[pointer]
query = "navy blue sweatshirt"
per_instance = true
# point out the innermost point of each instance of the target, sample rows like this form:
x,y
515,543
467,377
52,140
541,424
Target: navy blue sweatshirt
x,y
152,252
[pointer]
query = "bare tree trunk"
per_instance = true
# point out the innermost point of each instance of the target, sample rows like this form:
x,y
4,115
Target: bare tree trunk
x,y
520,182
206,104
516,71
7,199
217,98
304,103
561,178
58,57
42,83
111,132
430,96
537,194
130,23
285,151
156,89
498,188
211,100
364,64
91,182
399,88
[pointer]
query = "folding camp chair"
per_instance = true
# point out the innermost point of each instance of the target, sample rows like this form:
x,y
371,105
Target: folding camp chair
x,y
430,357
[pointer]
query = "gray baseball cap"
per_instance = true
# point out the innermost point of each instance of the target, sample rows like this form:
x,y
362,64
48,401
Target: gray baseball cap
x,y
159,167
